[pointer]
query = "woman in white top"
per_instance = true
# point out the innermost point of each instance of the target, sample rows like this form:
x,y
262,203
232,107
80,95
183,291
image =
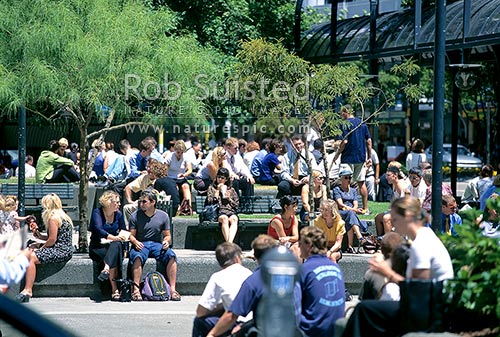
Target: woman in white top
x,y
417,155
178,168
428,259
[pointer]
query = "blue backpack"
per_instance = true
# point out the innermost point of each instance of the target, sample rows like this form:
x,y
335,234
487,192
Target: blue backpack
x,y
155,287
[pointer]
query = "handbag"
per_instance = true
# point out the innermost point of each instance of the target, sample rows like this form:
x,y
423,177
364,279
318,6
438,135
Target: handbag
x,y
185,208
370,244
209,213
422,305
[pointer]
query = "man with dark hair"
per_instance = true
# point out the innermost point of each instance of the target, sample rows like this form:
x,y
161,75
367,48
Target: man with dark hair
x,y
251,291
322,284
356,149
450,217
53,168
138,162
373,282
294,171
221,289
259,157
150,235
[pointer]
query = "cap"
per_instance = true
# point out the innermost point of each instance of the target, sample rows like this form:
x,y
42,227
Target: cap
x,y
346,171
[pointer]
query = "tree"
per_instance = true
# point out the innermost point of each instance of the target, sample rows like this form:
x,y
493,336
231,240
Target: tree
x,y
100,61
278,87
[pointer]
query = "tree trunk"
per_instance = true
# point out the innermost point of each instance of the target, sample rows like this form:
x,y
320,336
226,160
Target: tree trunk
x,y
82,195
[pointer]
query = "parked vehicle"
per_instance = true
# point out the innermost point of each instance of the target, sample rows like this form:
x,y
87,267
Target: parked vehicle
x,y
465,158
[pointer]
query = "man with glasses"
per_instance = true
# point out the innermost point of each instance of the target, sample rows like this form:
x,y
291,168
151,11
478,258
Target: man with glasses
x,y
150,235
417,185
450,217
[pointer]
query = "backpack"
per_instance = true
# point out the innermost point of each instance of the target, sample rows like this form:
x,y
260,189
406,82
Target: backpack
x,y
155,287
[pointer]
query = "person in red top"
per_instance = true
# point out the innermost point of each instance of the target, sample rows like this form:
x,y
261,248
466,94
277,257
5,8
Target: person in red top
x,y
284,227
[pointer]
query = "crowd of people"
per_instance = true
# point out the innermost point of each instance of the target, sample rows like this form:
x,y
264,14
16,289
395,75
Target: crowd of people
x,y
226,176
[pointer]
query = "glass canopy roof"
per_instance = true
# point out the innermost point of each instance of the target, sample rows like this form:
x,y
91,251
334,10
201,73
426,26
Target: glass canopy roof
x,y
395,35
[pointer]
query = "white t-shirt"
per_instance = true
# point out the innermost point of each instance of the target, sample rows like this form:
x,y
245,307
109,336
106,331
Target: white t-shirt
x,y
175,166
414,159
428,252
223,287
419,191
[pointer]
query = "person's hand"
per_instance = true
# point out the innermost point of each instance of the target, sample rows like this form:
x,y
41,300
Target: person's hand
x,y
181,175
304,180
284,239
33,227
296,182
138,245
379,265
165,244
251,180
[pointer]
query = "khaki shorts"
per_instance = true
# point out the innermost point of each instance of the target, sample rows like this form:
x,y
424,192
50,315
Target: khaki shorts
x,y
359,172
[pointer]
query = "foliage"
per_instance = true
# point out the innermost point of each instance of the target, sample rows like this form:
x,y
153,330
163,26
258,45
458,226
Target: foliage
x,y
476,261
76,57
224,23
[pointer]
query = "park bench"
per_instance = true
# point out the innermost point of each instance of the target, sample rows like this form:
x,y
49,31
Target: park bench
x,y
258,204
35,192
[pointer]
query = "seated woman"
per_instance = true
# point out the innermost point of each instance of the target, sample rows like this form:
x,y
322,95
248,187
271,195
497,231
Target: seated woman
x,y
58,246
284,227
178,168
429,259
207,174
347,202
319,193
221,193
332,224
105,223
270,168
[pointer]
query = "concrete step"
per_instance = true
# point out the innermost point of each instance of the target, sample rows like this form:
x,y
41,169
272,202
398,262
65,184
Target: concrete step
x,y
78,277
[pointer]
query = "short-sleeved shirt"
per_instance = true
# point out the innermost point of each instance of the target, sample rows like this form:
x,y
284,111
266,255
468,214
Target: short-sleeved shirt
x,y
338,228
355,149
175,166
149,228
141,183
249,295
428,252
323,296
268,165
347,197
223,287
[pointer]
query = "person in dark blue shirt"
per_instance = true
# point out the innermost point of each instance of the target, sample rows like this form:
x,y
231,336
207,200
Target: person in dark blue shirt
x,y
322,284
250,293
271,165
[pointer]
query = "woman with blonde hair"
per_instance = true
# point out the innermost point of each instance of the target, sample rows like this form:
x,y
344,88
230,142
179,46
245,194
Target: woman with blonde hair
x,y
208,173
178,169
332,224
319,193
58,245
105,225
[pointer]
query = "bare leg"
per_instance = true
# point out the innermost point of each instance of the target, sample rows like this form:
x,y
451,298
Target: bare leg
x,y
387,223
30,276
113,274
172,273
233,227
224,222
364,194
137,273
379,224
350,237
186,192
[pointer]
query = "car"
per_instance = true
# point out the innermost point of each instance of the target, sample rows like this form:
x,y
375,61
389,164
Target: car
x,y
465,158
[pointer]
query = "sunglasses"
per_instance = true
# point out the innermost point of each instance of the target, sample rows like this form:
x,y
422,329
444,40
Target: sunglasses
x,y
414,178
143,201
347,177
222,177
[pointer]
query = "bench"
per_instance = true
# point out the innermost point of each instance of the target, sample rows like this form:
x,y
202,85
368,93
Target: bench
x,y
35,192
258,204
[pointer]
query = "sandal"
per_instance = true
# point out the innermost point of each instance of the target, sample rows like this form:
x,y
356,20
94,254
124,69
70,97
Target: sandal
x,y
104,275
116,296
23,298
136,297
350,250
175,296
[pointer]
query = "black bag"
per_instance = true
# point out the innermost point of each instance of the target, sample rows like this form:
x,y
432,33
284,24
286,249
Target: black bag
x,y
370,244
422,306
209,213
126,289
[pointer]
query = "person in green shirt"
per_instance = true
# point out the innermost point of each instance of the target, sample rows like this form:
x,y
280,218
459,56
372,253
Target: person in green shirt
x,y
51,167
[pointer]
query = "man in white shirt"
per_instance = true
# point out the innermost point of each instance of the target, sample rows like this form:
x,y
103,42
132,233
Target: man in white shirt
x,y
417,185
194,155
221,289
240,173
294,172
29,169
